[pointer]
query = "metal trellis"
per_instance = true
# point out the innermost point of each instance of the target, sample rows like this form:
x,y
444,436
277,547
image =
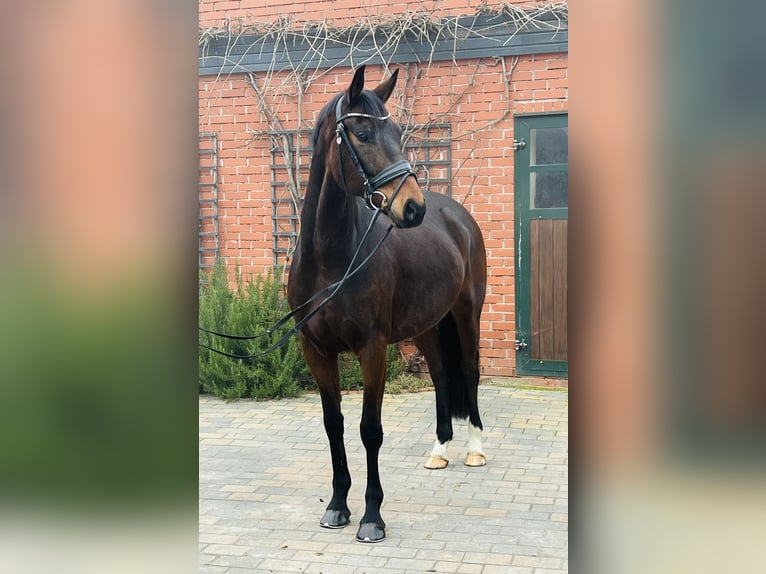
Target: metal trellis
x,y
209,242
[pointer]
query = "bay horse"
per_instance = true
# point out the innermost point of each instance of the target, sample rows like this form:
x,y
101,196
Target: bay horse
x,y
426,282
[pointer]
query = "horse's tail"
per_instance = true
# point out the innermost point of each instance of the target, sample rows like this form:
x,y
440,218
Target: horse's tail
x,y
457,386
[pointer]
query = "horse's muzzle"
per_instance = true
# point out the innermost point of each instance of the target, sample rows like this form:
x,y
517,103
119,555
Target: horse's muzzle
x,y
407,206
413,213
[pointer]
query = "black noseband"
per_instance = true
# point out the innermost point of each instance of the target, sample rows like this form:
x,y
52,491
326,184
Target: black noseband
x,y
371,184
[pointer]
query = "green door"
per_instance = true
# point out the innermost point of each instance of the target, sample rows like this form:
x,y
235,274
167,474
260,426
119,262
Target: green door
x,y
542,208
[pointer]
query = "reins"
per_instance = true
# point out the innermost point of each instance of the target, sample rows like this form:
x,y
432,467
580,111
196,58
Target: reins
x,y
332,289
395,170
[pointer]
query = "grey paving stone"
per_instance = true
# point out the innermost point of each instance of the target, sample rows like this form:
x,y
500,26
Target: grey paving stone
x,y
265,479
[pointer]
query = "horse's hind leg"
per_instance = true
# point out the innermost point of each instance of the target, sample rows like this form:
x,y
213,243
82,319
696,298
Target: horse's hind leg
x,y
429,345
325,372
467,321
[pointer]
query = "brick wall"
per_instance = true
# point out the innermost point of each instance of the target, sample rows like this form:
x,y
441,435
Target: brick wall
x,y
471,95
336,12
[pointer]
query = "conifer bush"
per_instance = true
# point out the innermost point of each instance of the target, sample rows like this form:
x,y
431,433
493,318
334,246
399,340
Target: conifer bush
x,y
251,308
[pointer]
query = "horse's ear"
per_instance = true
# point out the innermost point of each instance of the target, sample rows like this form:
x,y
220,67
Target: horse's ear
x,y
357,85
385,89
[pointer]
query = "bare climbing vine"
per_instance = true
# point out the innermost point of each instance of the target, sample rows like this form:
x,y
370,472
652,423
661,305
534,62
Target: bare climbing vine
x,y
385,34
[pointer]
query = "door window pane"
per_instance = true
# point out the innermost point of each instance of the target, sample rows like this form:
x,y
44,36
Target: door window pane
x,y
549,145
549,189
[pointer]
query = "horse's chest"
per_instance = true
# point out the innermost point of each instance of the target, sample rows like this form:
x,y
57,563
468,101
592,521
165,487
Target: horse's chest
x,y
344,324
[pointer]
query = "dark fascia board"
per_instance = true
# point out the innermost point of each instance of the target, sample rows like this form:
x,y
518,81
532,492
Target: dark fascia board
x,y
465,37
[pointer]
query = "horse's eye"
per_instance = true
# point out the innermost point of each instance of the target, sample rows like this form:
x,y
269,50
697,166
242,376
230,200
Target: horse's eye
x,y
362,136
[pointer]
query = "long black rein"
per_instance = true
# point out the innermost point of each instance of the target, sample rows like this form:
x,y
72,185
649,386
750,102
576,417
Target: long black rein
x,y
395,170
332,289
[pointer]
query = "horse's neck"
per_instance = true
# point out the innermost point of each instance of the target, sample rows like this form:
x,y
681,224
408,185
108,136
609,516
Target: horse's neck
x,y
327,224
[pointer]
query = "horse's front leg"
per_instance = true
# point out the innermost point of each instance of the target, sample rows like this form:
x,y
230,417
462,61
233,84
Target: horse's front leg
x,y
325,372
373,362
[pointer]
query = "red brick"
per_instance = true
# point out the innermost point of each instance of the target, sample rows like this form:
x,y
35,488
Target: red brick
x,y
551,94
550,74
561,62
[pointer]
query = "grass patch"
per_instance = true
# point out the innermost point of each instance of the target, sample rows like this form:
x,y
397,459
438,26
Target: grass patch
x,y
407,383
522,385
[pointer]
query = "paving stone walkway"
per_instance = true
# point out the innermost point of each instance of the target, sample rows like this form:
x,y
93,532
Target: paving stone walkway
x,y
265,480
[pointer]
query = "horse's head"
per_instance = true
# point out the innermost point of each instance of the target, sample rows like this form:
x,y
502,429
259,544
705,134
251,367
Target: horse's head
x,y
369,161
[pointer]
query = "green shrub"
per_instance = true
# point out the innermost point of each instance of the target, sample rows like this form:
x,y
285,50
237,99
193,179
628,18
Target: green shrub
x,y
251,308
254,306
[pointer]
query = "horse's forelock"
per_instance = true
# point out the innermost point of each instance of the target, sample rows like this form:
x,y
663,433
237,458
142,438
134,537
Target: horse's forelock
x,y
371,104
367,103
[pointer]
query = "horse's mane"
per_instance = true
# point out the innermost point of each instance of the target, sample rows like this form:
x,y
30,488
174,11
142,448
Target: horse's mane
x,y
367,103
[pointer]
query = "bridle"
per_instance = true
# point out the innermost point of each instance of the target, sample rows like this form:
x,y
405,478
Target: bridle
x,y
371,184
395,170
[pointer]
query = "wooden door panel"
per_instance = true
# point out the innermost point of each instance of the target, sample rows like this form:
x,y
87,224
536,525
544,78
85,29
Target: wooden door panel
x,y
545,324
560,289
534,287
548,289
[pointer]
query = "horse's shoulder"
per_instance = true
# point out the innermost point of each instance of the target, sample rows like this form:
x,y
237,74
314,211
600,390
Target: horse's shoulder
x,y
452,214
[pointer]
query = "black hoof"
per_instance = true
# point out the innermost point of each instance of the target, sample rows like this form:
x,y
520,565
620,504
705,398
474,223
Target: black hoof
x,y
335,519
371,532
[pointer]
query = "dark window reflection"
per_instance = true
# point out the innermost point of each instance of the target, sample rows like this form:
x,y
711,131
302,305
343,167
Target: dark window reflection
x,y
550,189
550,145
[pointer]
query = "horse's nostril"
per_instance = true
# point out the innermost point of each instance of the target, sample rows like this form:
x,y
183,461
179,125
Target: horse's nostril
x,y
410,210
413,213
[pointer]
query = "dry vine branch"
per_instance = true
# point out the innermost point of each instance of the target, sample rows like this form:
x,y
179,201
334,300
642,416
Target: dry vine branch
x,y
276,126
384,34
507,89
392,30
419,26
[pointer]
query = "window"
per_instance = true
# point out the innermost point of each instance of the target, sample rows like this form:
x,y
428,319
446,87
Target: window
x,y
548,166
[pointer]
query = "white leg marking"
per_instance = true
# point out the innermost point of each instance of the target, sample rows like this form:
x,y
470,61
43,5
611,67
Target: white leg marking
x,y
440,449
475,455
438,458
474,439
